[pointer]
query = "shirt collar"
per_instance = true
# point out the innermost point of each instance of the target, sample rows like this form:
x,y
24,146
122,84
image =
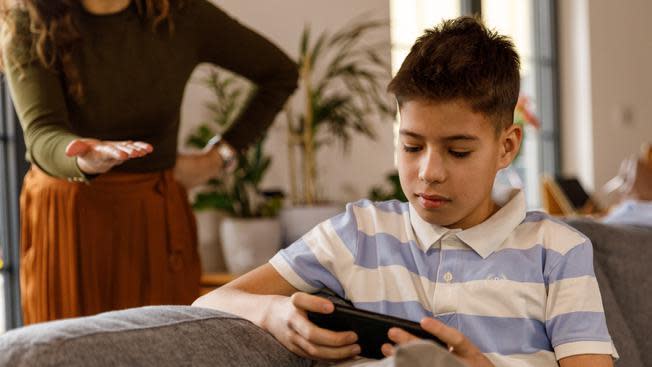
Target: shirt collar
x,y
484,238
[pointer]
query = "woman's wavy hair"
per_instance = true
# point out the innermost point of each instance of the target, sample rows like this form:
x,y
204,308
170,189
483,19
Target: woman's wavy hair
x,y
54,31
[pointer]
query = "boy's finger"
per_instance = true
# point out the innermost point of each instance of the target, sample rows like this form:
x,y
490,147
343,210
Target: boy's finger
x,y
400,336
320,336
326,352
455,339
312,303
387,349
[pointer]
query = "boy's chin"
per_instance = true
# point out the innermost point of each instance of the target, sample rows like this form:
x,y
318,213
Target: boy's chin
x,y
439,216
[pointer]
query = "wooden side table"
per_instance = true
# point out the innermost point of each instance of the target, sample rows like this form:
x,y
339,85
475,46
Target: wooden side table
x,y
210,281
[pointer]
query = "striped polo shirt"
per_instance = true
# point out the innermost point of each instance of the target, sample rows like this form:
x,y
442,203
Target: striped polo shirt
x,y
519,285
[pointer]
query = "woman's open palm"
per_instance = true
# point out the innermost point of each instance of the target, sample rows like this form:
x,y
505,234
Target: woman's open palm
x,y
96,156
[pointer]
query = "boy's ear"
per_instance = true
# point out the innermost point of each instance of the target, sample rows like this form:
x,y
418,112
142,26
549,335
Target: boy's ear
x,y
510,144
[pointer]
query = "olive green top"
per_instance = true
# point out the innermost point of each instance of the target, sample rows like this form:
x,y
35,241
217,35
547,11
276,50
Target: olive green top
x,y
134,79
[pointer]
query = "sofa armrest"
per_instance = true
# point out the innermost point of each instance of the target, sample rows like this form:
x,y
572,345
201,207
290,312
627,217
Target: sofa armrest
x,y
157,336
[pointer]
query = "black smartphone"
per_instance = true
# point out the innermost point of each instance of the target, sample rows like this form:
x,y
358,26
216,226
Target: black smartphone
x,y
371,327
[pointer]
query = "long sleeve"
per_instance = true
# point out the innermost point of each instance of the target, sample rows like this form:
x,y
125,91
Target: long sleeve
x,y
39,100
229,44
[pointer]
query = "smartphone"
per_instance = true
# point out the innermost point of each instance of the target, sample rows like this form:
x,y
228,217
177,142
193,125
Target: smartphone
x,y
371,327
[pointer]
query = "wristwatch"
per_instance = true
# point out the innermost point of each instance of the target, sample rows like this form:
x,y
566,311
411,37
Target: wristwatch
x,y
226,152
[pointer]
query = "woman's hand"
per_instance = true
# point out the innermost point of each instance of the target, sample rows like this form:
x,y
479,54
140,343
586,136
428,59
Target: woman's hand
x,y
96,156
193,169
457,343
288,322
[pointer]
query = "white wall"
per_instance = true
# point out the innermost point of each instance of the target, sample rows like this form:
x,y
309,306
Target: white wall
x,y
605,57
282,22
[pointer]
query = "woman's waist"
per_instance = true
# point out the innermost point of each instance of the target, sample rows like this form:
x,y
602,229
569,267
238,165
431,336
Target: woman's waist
x,y
114,181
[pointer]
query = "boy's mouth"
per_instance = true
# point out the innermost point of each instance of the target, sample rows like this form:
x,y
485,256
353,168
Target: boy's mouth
x,y
432,201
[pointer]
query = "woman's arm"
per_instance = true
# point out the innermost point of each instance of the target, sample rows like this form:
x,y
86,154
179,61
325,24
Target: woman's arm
x,y
39,99
233,46
40,104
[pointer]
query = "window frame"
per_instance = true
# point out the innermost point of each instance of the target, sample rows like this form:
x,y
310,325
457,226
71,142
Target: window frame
x,y
12,170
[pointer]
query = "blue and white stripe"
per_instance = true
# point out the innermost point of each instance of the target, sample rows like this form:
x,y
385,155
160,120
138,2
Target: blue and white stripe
x,y
530,297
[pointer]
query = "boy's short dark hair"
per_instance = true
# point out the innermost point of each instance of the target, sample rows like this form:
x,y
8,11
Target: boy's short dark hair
x,y
462,59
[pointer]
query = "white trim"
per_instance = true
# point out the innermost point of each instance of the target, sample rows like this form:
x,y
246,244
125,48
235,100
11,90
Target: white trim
x,y
585,347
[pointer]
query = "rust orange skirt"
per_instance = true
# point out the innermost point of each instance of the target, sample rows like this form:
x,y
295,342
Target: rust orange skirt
x,y
124,240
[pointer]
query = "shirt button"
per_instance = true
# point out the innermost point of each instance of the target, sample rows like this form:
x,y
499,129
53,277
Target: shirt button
x,y
448,277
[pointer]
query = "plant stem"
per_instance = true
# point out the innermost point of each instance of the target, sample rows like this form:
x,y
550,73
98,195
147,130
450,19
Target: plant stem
x,y
308,138
292,161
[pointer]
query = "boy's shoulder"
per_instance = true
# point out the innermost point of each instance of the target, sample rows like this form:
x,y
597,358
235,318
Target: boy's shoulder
x,y
374,217
550,232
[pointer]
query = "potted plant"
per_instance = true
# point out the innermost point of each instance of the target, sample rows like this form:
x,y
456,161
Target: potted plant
x,y
228,96
251,231
342,83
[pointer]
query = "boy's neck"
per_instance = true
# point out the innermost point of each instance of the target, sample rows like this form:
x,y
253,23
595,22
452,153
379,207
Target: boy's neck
x,y
482,213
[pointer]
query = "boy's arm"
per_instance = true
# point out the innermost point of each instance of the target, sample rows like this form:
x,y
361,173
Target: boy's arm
x,y
587,360
250,295
261,296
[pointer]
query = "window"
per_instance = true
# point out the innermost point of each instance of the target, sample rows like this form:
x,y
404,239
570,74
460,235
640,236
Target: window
x,y
12,170
530,24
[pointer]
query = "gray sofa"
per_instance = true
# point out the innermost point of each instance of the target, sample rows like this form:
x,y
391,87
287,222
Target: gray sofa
x,y
184,336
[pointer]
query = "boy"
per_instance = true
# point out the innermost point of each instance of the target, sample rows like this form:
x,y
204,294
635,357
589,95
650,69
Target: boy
x,y
499,286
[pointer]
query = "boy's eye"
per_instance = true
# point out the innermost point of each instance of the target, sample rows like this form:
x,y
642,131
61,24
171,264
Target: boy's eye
x,y
411,148
458,154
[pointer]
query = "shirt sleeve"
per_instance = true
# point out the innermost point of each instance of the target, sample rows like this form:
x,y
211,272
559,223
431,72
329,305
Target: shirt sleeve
x,y
229,44
575,320
314,261
39,100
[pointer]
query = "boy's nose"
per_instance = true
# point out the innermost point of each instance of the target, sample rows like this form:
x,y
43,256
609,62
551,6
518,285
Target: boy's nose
x,y
432,169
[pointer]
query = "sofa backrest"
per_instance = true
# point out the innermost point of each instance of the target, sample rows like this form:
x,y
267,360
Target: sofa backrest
x,y
623,261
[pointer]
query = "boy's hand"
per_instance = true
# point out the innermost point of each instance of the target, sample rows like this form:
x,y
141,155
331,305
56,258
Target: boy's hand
x,y
289,324
458,344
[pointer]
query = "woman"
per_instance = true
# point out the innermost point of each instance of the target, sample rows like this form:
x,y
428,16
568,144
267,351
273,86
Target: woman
x,y
97,85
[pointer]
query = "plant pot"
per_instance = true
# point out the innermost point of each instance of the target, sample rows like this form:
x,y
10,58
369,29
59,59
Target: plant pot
x,y
249,243
210,244
298,220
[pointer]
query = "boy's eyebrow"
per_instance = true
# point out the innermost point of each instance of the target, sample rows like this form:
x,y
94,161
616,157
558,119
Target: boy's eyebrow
x,y
446,138
410,133
461,137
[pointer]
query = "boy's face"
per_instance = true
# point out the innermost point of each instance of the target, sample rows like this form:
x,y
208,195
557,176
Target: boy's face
x,y
448,158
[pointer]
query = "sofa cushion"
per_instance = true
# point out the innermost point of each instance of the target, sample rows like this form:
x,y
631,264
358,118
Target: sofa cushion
x,y
156,336
622,257
622,336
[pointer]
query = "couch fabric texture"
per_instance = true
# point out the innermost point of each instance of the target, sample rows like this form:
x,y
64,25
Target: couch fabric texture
x,y
158,336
